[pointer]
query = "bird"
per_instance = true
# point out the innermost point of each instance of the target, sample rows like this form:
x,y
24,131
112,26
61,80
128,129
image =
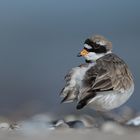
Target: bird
x,y
103,82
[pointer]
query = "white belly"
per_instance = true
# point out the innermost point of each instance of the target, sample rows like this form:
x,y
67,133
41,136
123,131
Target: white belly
x,y
110,100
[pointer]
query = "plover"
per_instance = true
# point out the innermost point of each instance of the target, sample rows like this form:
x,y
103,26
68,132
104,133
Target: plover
x,y
104,82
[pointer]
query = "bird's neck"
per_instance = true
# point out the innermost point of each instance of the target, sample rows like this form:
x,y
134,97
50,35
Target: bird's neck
x,y
98,56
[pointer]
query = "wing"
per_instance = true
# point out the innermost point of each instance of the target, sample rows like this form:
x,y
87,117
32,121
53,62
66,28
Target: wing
x,y
73,81
69,92
109,73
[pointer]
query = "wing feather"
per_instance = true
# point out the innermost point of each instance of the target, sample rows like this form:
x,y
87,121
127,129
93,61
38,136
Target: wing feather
x,y
109,73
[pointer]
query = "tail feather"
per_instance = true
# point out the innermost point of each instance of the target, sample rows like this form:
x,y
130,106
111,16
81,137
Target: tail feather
x,y
70,97
67,99
82,103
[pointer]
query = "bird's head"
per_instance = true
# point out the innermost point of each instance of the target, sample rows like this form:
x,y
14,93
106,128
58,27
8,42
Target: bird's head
x,y
95,47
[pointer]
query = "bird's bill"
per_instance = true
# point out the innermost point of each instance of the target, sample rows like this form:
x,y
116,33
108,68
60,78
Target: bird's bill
x,y
84,52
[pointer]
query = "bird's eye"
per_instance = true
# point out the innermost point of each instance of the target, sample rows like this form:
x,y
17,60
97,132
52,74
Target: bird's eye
x,y
96,46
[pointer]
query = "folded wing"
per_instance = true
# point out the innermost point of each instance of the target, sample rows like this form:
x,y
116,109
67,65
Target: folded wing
x,y
109,73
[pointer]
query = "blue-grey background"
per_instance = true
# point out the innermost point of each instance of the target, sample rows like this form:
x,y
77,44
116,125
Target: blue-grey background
x,y
39,41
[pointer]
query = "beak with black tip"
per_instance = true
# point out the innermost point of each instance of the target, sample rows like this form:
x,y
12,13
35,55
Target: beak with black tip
x,y
84,52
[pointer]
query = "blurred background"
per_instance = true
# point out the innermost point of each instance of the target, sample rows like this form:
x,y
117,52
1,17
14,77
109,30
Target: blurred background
x,y
39,41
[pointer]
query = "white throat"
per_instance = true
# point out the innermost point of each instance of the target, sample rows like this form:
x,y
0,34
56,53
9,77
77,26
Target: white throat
x,y
91,56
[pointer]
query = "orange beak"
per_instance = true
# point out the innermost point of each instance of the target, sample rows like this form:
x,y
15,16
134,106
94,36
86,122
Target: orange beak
x,y
84,52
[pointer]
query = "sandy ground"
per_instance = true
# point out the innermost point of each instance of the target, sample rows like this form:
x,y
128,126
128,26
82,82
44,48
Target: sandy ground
x,y
69,135
125,125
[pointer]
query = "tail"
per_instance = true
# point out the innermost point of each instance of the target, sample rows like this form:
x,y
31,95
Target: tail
x,y
70,96
82,103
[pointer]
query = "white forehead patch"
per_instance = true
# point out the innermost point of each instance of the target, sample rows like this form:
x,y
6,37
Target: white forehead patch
x,y
102,43
87,46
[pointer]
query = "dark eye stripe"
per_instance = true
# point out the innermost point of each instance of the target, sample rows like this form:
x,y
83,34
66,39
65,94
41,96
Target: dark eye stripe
x,y
89,50
89,42
101,49
97,48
